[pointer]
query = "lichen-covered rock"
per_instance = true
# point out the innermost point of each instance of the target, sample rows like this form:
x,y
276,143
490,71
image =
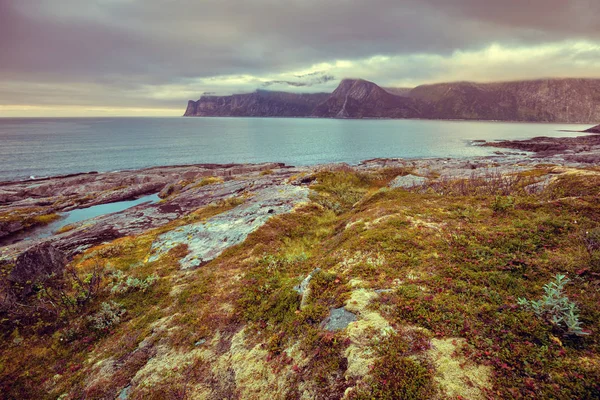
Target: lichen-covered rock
x,y
206,240
369,324
407,181
338,319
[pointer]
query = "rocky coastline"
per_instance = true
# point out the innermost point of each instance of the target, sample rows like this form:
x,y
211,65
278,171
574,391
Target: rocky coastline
x,y
579,149
25,205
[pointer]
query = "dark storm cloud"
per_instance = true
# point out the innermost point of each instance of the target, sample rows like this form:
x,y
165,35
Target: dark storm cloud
x,y
123,46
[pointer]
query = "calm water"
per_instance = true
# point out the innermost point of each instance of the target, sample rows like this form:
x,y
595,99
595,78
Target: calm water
x,y
76,216
43,147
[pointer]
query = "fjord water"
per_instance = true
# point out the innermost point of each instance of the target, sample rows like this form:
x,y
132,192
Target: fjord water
x,y
54,146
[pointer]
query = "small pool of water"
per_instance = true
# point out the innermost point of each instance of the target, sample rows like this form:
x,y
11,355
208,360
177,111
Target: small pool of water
x,y
78,215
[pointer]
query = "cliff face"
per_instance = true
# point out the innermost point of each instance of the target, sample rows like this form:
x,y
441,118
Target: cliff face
x,y
258,104
549,100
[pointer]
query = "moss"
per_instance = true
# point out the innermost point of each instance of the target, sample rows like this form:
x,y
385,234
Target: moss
x,y
29,217
66,228
45,219
211,180
397,375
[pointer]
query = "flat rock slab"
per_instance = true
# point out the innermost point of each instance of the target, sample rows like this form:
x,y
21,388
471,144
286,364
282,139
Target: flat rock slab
x,y
338,319
207,240
407,181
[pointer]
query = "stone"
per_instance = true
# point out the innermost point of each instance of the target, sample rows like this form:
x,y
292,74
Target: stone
x,y
407,181
37,264
338,319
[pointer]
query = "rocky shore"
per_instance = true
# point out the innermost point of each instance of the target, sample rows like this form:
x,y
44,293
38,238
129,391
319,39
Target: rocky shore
x,y
580,149
26,205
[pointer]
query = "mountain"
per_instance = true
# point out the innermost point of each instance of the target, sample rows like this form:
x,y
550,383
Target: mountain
x,y
547,100
363,99
543,100
261,103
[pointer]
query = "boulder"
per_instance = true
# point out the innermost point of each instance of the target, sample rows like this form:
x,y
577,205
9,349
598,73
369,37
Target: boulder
x,y
338,319
407,181
37,264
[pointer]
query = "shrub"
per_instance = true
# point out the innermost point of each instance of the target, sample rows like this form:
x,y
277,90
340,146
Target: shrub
x,y
108,316
123,284
556,308
503,203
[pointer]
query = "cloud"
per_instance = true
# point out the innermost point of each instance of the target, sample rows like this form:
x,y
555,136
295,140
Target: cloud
x,y
306,80
159,53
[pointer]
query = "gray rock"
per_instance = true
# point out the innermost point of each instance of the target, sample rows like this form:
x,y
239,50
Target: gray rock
x,y
124,394
407,181
338,319
539,186
207,240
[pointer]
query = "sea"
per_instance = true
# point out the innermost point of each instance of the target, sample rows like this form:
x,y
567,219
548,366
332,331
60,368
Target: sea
x,y
41,147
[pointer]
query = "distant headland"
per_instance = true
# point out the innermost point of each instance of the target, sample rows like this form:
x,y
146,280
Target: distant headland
x,y
543,100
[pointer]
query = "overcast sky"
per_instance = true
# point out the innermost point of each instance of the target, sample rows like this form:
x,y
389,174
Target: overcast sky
x,y
148,57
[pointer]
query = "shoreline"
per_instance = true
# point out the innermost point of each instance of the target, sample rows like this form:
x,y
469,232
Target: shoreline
x,y
500,143
27,205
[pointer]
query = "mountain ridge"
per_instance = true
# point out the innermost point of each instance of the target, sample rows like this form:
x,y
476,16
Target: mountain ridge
x,y
559,100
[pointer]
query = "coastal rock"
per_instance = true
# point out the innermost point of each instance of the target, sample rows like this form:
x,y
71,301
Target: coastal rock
x,y
7,228
206,240
575,148
407,181
65,193
595,129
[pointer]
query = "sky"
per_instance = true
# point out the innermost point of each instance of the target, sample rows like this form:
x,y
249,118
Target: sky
x,y
148,57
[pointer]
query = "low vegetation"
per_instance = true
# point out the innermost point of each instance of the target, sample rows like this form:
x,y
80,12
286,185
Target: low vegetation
x,y
478,265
